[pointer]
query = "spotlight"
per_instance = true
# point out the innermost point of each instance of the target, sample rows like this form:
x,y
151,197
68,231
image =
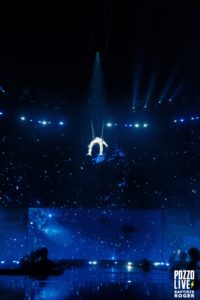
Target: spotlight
x,y
175,121
129,268
61,123
130,263
94,262
181,120
109,124
44,122
192,118
197,118
2,262
136,125
145,106
145,125
23,118
1,113
159,101
130,125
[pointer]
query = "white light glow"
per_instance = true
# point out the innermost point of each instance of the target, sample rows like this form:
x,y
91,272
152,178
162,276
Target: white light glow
x,y
129,268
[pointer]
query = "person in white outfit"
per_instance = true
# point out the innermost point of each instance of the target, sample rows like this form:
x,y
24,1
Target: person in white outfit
x,y
95,141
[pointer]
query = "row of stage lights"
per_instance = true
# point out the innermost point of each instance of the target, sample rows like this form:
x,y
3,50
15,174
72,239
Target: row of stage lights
x,y
136,125
182,120
41,122
44,122
62,123
129,265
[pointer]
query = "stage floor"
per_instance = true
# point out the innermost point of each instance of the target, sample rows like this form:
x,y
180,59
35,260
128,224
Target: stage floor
x,y
90,283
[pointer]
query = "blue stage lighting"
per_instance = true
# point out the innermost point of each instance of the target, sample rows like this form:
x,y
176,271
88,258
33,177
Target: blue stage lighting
x,y
1,113
109,124
175,121
145,125
22,118
126,125
192,118
130,125
44,122
197,118
136,125
159,101
61,123
181,120
145,106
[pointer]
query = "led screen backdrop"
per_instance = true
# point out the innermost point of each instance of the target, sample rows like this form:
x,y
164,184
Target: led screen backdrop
x,y
96,234
13,234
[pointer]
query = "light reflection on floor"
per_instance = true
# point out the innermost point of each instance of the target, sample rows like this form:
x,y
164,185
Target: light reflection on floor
x,y
90,283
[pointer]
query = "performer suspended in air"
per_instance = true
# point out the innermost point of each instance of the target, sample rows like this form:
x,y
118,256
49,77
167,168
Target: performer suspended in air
x,y
96,141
